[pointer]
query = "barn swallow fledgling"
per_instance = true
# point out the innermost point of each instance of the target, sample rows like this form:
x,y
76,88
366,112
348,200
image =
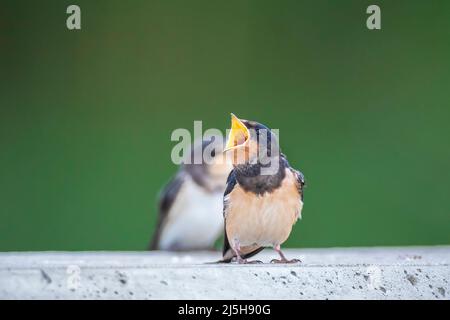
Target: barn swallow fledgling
x,y
190,206
260,207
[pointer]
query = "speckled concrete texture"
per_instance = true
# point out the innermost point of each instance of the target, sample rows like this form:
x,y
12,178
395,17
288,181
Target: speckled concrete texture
x,y
351,273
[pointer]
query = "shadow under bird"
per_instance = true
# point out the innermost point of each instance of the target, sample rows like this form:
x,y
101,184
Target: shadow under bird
x,y
190,205
264,194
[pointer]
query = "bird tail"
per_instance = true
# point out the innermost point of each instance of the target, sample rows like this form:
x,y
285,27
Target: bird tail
x,y
154,241
253,250
153,244
228,253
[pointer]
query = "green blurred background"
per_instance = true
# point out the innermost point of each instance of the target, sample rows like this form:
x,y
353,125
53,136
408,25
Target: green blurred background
x,y
86,116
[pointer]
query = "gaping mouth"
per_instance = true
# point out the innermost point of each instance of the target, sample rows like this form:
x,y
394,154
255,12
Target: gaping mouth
x,y
239,134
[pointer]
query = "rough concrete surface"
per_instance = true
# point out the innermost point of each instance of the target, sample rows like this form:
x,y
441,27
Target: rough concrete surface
x,y
351,273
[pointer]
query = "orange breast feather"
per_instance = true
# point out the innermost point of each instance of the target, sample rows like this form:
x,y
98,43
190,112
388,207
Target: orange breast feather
x,y
265,220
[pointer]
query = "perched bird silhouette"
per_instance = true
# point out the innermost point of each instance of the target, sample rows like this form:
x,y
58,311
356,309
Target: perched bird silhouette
x,y
190,205
264,194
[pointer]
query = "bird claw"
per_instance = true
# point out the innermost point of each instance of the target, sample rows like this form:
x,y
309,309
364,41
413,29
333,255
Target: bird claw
x,y
254,262
245,261
285,261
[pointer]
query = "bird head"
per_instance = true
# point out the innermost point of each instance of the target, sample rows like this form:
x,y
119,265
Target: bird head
x,y
213,168
250,142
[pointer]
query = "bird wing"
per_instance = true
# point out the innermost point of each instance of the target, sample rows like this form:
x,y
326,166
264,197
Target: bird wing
x,y
300,181
227,252
300,178
166,201
231,182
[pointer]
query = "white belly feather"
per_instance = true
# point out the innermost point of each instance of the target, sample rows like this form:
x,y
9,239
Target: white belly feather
x,y
195,220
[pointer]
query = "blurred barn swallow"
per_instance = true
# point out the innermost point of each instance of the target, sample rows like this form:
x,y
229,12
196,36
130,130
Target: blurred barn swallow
x,y
190,205
260,206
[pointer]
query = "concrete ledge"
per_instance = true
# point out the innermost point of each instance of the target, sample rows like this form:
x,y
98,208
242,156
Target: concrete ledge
x,y
354,273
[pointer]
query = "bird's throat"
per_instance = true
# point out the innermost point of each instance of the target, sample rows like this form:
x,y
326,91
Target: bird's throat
x,y
258,178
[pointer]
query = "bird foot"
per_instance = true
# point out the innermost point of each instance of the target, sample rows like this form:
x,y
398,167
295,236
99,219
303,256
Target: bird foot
x,y
254,262
285,261
245,261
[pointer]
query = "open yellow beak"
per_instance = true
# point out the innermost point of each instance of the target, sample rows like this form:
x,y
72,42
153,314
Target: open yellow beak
x,y
239,133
